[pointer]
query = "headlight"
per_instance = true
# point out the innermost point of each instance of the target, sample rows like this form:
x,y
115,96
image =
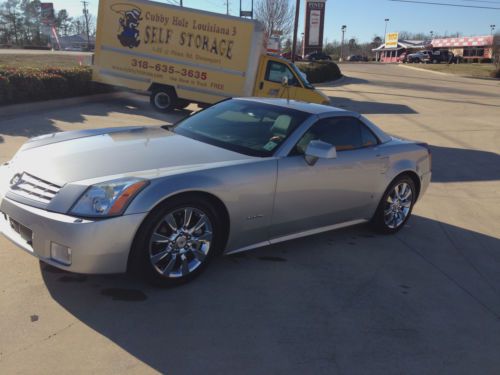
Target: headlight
x,y
108,198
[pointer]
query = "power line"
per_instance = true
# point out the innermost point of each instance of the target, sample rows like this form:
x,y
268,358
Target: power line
x,y
446,4
482,1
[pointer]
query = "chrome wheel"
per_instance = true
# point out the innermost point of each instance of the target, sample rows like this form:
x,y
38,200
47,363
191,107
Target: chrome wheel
x,y
398,205
180,242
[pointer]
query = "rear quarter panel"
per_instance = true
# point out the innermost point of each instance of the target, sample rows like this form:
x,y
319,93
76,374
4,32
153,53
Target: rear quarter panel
x,y
405,156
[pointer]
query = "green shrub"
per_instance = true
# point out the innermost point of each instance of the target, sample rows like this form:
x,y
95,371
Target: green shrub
x,y
19,85
496,73
5,90
320,71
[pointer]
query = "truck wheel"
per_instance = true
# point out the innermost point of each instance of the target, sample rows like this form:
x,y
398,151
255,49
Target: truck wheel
x,y
163,99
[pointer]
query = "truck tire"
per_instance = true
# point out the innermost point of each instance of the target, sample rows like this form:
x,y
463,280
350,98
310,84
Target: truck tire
x,y
163,99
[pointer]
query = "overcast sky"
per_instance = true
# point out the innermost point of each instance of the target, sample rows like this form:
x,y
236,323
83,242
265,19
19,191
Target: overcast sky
x,y
365,18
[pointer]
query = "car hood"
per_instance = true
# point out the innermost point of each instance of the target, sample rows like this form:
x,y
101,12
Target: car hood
x,y
66,157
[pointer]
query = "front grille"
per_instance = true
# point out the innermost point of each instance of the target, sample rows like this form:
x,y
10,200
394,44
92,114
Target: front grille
x,y
35,188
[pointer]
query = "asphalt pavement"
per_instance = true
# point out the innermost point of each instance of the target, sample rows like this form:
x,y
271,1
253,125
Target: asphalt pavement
x,y
424,301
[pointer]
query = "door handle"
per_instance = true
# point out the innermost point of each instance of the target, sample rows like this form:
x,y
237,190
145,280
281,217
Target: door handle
x,y
261,85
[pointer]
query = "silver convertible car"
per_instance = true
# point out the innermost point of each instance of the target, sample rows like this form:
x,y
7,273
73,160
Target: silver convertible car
x,y
244,173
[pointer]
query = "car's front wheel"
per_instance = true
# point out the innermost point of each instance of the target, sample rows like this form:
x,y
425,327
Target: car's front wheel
x,y
396,206
176,242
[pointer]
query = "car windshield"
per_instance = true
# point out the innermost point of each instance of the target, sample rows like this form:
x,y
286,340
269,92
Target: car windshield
x,y
302,76
248,127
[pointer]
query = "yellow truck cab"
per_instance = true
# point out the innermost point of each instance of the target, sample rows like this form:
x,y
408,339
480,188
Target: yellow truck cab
x,y
181,56
269,82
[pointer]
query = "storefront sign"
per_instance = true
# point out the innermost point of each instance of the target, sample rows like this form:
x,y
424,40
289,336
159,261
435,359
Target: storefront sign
x,y
391,40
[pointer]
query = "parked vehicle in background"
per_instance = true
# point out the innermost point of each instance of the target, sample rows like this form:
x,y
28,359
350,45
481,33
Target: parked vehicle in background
x,y
419,57
288,56
357,58
441,56
244,173
181,55
316,56
432,57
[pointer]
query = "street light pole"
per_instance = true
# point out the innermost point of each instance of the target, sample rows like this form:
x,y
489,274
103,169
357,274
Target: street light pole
x,y
385,31
344,27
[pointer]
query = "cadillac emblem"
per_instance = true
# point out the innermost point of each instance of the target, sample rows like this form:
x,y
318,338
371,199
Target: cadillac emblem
x,y
15,180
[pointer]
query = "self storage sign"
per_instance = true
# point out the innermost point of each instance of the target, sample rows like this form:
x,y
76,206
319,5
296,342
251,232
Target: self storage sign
x,y
161,42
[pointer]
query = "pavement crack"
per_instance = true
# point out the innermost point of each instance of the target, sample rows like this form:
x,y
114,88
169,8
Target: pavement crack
x,y
468,261
449,277
6,355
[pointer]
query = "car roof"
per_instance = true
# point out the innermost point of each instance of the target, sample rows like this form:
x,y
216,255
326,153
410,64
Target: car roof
x,y
311,108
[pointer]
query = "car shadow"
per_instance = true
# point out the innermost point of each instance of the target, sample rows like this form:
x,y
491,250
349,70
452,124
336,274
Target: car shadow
x,y
341,301
456,164
44,122
370,107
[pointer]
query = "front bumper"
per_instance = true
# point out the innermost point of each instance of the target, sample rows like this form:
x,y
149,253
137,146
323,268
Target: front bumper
x,y
97,246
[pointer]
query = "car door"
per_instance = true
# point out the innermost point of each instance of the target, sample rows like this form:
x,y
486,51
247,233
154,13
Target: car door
x,y
331,191
272,86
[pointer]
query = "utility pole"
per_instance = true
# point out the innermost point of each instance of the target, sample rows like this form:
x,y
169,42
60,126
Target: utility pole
x,y
180,3
344,27
86,16
227,7
295,28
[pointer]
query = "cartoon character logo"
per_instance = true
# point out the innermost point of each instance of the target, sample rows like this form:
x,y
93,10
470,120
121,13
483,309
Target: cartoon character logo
x,y
129,22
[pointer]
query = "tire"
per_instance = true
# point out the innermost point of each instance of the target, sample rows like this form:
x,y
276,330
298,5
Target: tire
x,y
391,217
163,99
169,249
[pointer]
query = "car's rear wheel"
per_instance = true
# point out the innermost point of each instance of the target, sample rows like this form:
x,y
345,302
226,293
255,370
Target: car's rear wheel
x,y
396,205
176,242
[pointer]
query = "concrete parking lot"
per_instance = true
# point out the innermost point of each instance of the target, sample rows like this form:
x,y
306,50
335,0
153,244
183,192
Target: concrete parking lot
x,y
425,301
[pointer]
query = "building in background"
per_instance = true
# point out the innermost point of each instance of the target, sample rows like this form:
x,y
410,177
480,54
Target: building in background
x,y
469,49
473,49
390,51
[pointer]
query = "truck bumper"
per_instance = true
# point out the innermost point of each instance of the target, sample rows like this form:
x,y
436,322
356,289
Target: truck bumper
x,y
70,243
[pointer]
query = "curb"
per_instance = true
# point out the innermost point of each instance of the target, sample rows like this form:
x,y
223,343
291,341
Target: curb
x,y
23,108
426,70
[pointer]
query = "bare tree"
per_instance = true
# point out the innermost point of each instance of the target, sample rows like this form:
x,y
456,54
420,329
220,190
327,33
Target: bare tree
x,y
275,15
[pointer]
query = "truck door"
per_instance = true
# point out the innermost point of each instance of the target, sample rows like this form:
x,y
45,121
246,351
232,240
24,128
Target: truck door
x,y
270,78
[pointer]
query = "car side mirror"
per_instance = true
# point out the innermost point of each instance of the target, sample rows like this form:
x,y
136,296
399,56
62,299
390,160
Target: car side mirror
x,y
319,150
284,81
